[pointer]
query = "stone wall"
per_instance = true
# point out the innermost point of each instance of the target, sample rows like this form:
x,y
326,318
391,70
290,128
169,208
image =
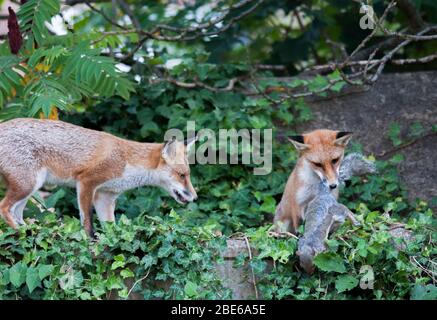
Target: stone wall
x,y
403,98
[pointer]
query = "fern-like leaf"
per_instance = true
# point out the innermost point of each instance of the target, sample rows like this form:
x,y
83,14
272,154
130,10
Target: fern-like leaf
x,y
48,56
85,65
45,94
34,14
11,74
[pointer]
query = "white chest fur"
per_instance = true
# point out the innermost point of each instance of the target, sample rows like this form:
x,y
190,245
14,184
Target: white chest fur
x,y
309,182
132,177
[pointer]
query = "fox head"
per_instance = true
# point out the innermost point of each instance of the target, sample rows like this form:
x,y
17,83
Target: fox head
x,y
175,170
323,150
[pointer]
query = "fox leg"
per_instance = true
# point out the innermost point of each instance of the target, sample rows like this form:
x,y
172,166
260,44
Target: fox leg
x,y
12,205
282,220
296,218
288,217
85,194
17,210
104,203
5,206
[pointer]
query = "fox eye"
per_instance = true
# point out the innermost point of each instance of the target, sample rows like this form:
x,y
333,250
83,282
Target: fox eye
x,y
334,161
319,165
182,175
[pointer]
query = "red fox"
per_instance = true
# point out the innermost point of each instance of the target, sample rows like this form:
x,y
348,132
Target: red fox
x,y
99,165
320,156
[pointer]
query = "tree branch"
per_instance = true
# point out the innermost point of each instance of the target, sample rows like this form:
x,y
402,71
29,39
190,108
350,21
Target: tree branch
x,y
197,84
74,2
160,32
126,9
104,15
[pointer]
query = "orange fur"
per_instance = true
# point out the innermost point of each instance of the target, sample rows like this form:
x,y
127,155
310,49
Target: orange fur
x,y
101,166
320,156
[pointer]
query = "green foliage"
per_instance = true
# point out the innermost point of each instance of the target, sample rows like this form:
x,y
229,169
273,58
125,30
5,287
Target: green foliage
x,y
399,266
34,14
85,66
52,259
172,255
168,258
46,74
9,76
230,195
330,262
428,292
231,199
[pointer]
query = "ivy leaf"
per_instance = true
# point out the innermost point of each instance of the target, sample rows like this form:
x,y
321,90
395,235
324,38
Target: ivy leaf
x,y
165,250
330,262
317,83
147,261
17,274
345,283
338,86
119,262
72,279
394,132
269,205
126,273
190,289
428,292
416,130
32,279
44,270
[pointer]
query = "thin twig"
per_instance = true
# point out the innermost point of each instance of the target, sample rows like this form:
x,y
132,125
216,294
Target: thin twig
x,y
251,268
189,33
372,34
198,84
406,144
431,273
126,9
283,234
104,15
136,282
332,66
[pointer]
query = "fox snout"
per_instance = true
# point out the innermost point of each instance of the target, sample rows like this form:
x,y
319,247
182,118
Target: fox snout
x,y
331,182
184,196
184,192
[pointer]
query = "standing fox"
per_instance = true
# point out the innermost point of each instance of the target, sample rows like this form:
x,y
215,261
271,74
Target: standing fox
x,y
99,165
320,156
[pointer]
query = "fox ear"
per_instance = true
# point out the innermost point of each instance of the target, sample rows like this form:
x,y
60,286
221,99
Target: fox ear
x,y
298,143
343,138
169,149
189,143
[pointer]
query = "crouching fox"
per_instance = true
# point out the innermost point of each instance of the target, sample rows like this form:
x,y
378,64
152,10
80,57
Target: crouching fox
x,y
320,155
99,165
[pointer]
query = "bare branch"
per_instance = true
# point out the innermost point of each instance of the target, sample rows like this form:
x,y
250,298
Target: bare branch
x,y
372,34
389,55
104,15
74,2
407,144
189,33
126,9
197,84
330,67
274,67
